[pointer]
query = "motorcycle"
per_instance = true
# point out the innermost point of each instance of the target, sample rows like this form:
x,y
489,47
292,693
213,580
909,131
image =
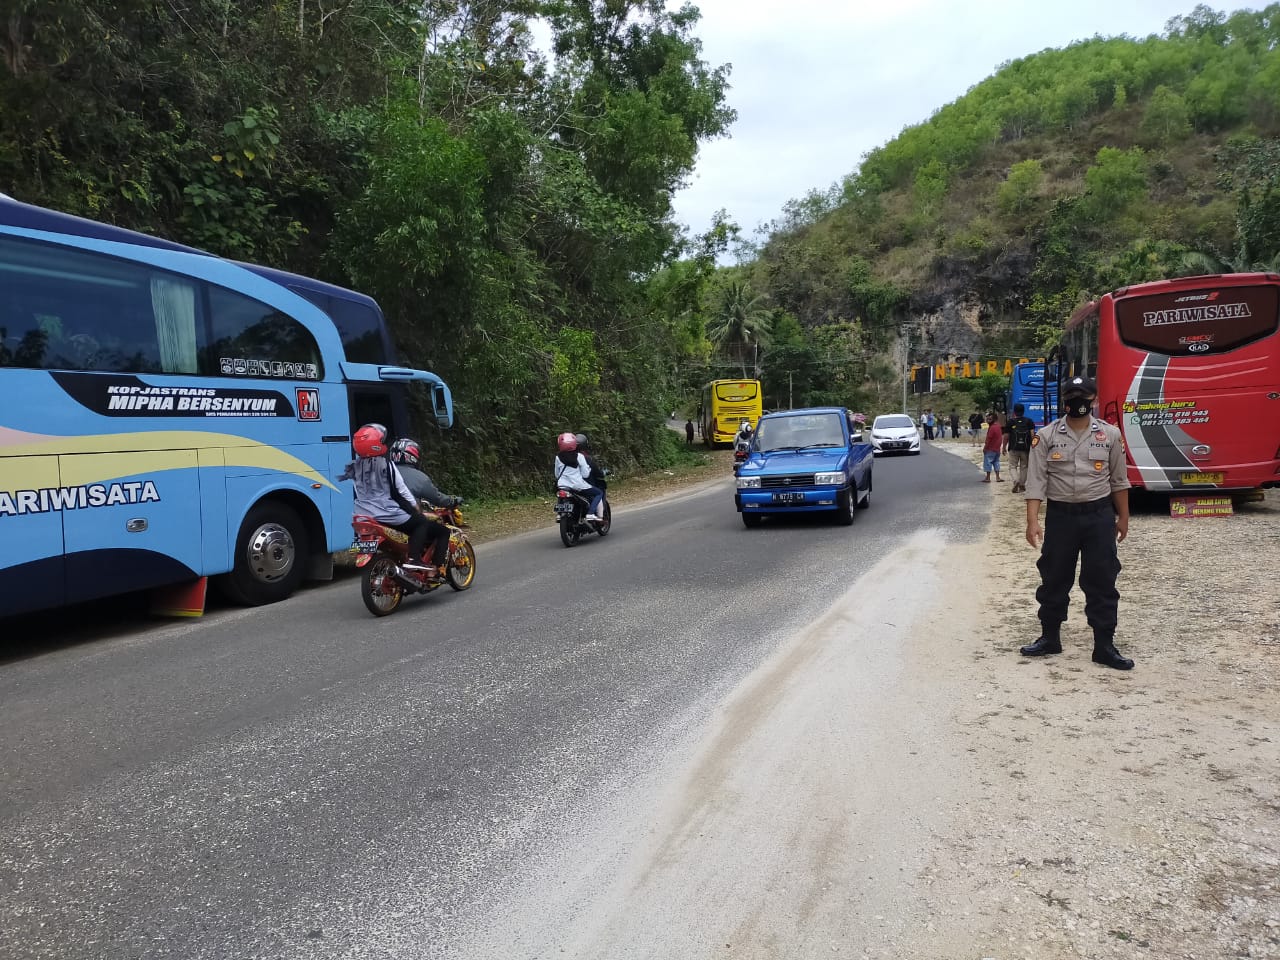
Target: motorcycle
x,y
571,514
382,550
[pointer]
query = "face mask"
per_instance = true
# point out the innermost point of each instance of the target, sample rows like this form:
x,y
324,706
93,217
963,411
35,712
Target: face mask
x,y
1079,407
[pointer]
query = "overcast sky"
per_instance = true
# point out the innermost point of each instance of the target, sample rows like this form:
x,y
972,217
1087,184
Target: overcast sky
x,y
819,83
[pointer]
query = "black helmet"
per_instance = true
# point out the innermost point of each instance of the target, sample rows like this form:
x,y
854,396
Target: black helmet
x,y
582,440
406,451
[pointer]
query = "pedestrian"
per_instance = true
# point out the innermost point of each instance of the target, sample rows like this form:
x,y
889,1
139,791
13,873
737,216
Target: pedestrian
x,y
1017,443
927,422
1077,464
991,449
975,424
688,433
955,424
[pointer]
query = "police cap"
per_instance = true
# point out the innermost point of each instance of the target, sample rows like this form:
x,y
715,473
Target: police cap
x,y
1079,387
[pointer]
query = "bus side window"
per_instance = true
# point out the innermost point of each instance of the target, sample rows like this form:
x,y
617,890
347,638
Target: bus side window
x,y
246,333
79,310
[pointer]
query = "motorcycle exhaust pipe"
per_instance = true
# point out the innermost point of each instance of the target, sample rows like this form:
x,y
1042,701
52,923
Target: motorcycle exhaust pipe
x,y
405,580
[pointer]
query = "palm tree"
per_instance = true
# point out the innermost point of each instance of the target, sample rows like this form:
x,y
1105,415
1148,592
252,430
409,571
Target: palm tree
x,y
1198,263
741,325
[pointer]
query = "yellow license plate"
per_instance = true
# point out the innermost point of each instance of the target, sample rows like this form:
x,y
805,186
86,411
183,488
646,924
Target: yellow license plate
x,y
1202,478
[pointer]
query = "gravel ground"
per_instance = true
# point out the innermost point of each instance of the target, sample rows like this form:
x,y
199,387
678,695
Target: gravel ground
x,y
1136,814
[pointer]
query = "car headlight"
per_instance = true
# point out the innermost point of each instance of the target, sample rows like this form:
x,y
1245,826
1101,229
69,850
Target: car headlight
x,y
748,483
828,479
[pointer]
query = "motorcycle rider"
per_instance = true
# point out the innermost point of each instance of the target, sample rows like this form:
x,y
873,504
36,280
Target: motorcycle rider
x,y
382,494
406,454
596,476
572,470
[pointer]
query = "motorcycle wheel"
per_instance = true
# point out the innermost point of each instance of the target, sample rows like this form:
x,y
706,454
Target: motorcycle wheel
x,y
569,531
461,572
603,526
381,591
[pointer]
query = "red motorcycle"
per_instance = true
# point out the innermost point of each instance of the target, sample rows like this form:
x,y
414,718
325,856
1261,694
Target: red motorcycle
x,y
382,550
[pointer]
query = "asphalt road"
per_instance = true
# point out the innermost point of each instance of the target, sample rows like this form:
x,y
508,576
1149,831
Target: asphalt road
x,y
304,780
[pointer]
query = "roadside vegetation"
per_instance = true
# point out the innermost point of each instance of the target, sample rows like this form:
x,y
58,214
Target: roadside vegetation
x,y
499,175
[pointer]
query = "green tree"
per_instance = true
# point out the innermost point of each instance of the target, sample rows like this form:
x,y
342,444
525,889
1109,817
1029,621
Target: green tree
x,y
1166,118
1021,189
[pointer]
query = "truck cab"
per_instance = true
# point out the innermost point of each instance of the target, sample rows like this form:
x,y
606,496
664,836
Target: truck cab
x,y
803,461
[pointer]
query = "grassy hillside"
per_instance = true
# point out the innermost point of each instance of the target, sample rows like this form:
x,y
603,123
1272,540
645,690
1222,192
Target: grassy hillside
x,y
1065,174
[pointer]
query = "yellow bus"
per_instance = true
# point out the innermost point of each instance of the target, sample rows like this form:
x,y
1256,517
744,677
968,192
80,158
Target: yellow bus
x,y
724,405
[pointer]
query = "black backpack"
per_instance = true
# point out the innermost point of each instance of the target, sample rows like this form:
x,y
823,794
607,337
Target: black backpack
x,y
1020,434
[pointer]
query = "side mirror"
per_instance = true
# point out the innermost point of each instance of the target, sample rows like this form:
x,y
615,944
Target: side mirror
x,y
442,405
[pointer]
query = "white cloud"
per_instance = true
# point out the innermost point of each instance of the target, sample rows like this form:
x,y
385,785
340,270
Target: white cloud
x,y
818,83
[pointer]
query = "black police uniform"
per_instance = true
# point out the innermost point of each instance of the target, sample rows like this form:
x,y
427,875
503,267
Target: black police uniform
x,y
1076,475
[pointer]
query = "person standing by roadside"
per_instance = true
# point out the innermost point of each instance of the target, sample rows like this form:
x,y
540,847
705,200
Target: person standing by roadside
x,y
991,449
688,433
1017,444
927,422
1077,464
975,424
955,424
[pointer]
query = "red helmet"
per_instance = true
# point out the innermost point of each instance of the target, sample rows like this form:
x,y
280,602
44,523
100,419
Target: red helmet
x,y
567,442
370,440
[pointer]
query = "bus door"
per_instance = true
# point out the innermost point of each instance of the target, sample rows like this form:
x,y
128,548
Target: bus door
x,y
31,562
130,520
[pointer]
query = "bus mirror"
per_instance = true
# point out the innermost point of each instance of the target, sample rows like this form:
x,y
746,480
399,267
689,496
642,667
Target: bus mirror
x,y
442,405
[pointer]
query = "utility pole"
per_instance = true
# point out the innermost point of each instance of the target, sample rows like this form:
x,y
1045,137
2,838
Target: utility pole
x,y
906,364
791,400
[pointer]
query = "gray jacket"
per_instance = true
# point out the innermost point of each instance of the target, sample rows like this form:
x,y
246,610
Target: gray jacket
x,y
374,477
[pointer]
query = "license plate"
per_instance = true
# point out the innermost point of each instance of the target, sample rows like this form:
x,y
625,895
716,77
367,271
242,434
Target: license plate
x,y
1202,477
367,546
788,498
564,507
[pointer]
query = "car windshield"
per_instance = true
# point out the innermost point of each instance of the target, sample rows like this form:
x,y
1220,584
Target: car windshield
x,y
893,423
800,432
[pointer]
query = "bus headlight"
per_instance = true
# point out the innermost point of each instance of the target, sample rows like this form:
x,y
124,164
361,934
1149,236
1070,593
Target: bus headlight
x,y
828,479
748,483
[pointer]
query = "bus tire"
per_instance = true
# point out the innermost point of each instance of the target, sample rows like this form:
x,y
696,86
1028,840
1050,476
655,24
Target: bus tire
x,y
270,557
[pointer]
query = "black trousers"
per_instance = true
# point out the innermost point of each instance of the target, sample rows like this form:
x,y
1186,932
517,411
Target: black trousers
x,y
420,529
1086,531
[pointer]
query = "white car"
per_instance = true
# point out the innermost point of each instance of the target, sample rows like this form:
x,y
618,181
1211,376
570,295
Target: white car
x,y
894,433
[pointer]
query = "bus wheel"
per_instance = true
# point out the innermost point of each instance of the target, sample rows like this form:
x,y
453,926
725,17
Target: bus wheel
x,y
270,556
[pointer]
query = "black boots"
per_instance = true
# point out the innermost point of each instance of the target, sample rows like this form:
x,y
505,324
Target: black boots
x,y
1105,653
1050,642
1104,649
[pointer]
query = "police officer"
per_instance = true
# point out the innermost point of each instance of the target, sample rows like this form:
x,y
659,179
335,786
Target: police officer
x,y
1077,463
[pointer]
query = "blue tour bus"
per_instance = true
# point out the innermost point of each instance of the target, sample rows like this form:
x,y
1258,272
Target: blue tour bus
x,y
1037,394
167,415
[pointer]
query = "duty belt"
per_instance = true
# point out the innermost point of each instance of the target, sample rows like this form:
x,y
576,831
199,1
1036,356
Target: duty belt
x,y
1093,506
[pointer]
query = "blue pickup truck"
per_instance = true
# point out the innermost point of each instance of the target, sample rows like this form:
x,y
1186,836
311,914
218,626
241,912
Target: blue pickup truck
x,y
802,461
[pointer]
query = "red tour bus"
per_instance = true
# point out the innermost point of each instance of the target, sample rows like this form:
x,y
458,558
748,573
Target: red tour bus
x,y
1189,370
